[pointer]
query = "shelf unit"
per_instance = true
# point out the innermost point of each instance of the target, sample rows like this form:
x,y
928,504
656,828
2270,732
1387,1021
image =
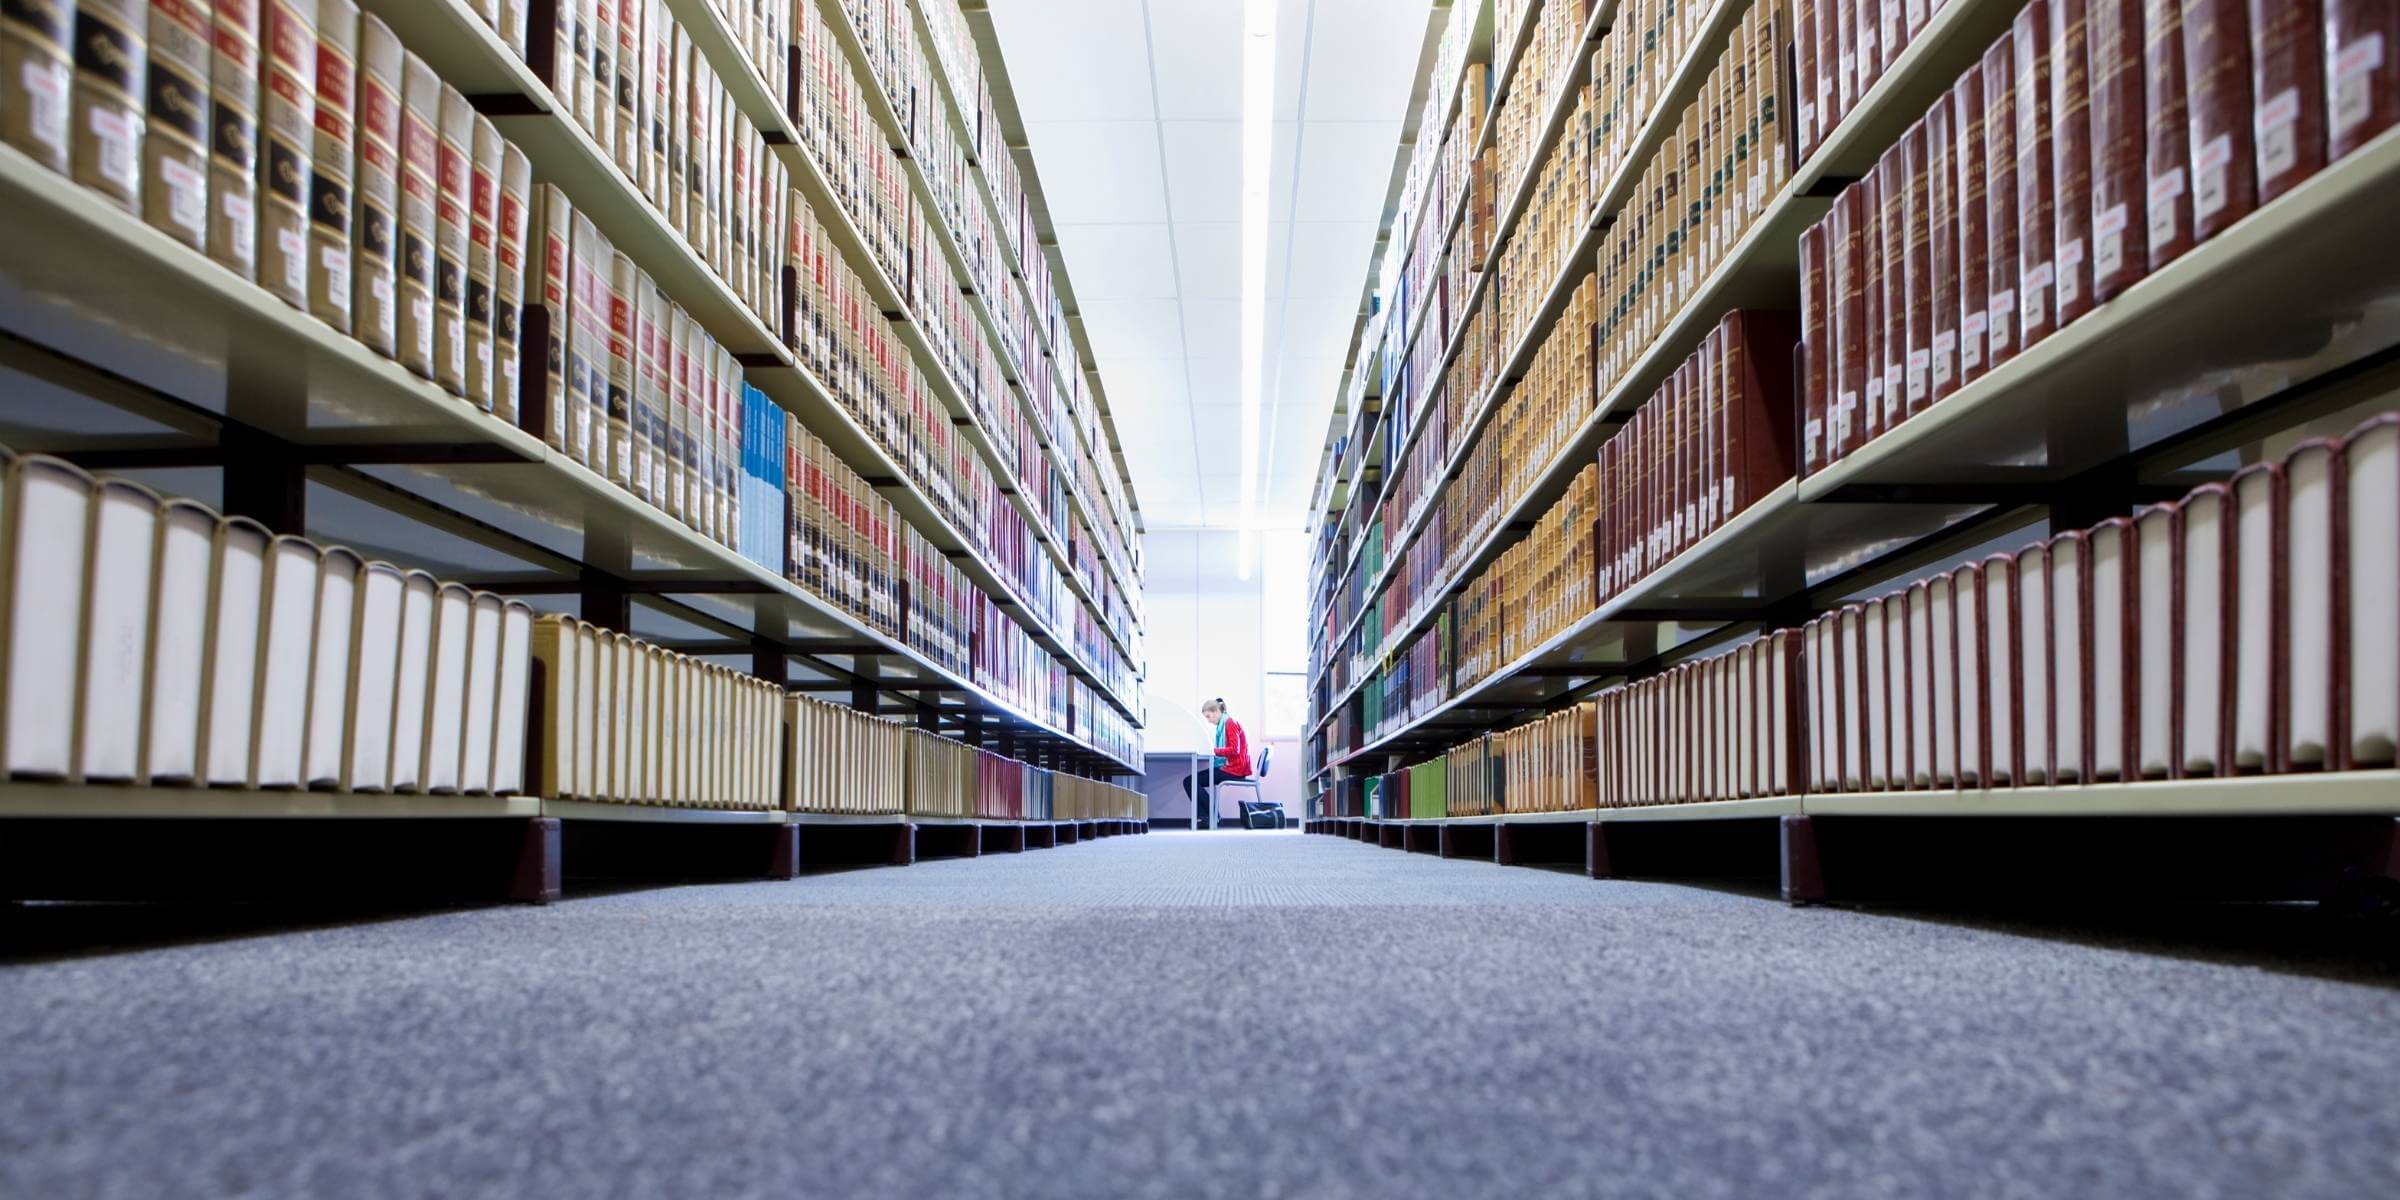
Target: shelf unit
x,y
469,55
213,372
2266,325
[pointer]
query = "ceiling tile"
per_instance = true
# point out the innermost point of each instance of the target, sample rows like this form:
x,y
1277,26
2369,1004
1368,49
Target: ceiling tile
x,y
1212,327
1329,259
1099,172
1074,60
1119,262
1363,54
1346,169
1208,258
1131,329
1197,55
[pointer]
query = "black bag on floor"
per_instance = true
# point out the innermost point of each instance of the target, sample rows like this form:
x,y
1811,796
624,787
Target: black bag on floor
x,y
1262,816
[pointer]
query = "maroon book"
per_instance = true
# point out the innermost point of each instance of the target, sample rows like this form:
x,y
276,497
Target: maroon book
x,y
2000,200
1845,57
1916,271
2168,199
2036,232
2362,72
1974,278
1815,348
1805,135
2287,79
1850,315
2070,160
1941,215
1867,42
2216,64
2120,255
1830,44
1887,307
1757,370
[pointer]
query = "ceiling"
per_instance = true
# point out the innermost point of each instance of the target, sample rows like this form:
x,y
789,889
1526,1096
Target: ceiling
x,y
1132,110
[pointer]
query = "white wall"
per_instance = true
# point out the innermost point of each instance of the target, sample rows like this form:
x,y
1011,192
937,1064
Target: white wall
x,y
1212,633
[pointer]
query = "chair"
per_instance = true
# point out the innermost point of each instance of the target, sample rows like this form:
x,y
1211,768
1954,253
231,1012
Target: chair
x,y
1266,758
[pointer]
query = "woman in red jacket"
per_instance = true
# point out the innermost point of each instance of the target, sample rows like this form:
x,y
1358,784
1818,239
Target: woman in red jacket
x,y
1232,757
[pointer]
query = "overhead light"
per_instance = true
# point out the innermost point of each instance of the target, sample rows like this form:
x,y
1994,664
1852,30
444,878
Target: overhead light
x,y
1258,143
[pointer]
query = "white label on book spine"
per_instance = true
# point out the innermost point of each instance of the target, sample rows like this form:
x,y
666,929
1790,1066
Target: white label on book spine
x,y
2354,81
2278,143
2208,175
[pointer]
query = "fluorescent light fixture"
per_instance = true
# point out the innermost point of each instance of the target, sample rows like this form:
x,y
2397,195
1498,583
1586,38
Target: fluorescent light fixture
x,y
1258,144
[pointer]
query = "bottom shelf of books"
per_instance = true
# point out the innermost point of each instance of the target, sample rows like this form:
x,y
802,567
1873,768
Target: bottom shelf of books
x,y
248,707
2233,654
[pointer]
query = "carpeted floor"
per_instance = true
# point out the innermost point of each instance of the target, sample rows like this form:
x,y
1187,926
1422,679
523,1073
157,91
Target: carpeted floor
x,y
1206,1015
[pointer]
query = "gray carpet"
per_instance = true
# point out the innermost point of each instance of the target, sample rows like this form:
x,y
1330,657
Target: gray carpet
x,y
1199,1015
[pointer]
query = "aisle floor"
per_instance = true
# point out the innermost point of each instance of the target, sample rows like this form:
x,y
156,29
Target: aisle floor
x,y
1206,1015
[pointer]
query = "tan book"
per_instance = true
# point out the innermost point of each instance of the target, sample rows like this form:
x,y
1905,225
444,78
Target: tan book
x,y
175,143
625,285
111,49
374,278
287,121
37,78
333,165
483,237
233,136
557,648
509,281
420,167
454,184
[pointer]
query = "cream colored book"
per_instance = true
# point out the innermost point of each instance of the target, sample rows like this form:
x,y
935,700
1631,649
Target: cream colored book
x,y
482,693
117,592
178,647
331,669
238,575
509,721
412,681
374,678
557,644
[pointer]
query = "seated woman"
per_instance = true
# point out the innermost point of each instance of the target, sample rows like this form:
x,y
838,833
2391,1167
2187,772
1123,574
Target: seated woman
x,y
1232,757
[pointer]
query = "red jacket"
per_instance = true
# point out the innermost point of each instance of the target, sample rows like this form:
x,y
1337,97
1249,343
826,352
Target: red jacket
x,y
1235,751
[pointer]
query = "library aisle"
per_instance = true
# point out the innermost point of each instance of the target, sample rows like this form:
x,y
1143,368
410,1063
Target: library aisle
x,y
1234,1014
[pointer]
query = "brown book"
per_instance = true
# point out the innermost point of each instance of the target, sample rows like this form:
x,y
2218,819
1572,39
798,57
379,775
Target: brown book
x,y
2036,229
332,163
1849,321
2070,158
510,269
111,50
1941,215
2000,200
1974,248
420,165
37,78
1757,402
1889,266
2287,76
1916,268
1867,46
1804,70
1833,48
547,321
2168,198
2362,72
2216,64
374,300
2120,187
454,200
1816,348
175,142
287,119
1878,224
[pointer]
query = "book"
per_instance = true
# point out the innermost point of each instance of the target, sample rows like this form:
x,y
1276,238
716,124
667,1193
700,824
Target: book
x,y
2071,157
2002,199
233,80
333,163
2168,201
112,653
2216,60
419,178
287,128
374,678
482,693
2313,648
2037,128
2257,588
2119,171
331,668
174,163
230,686
2370,491
175,672
548,333
412,680
375,287
2362,72
111,57
514,240
454,199
36,79
2156,593
2287,80
287,607
481,359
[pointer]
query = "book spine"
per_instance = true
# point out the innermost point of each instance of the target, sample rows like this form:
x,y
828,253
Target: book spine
x,y
37,70
2168,201
1967,113
2287,77
2119,174
2362,72
1941,206
1917,274
549,328
420,164
333,164
483,268
2000,200
111,44
2071,157
2216,61
621,283
174,167
454,196
232,137
1816,348
288,110
509,283
2036,228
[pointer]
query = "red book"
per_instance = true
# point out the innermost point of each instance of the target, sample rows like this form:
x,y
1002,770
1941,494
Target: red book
x,y
2287,78
1804,68
2000,200
1830,45
2216,64
1816,348
1974,250
1915,263
1869,45
1845,55
2036,231
2169,202
2070,158
2362,72
2113,36
1849,321
1881,219
1757,390
1941,209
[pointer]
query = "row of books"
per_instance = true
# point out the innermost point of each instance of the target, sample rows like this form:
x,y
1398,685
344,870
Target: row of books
x,y
148,640
1841,49
2244,629
335,170
840,760
1545,765
1074,798
1538,586
1722,728
631,76
1535,79
2095,142
624,721
1557,208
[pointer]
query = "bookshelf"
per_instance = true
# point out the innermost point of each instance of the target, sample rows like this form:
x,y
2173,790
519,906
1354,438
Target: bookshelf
x,y
2272,323
142,355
